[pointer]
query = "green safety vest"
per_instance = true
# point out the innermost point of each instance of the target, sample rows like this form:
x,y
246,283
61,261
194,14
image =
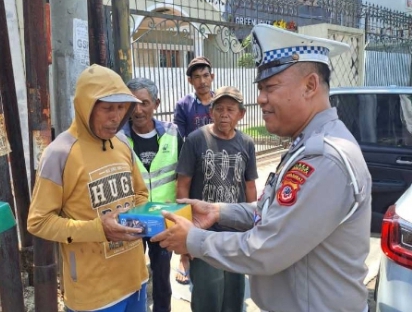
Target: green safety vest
x,y
161,180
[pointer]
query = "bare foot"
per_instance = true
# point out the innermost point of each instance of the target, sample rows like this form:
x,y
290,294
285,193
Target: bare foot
x,y
182,275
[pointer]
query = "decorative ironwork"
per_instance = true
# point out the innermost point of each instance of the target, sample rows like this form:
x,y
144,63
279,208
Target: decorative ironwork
x,y
226,40
385,29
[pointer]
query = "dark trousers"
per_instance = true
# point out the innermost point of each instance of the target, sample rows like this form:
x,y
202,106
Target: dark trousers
x,y
160,266
215,290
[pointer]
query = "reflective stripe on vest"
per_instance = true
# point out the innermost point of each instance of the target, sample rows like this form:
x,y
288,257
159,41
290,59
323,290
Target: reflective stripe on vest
x,y
161,180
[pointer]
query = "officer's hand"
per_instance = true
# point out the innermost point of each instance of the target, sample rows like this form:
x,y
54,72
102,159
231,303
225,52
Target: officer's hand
x,y
174,238
116,232
204,214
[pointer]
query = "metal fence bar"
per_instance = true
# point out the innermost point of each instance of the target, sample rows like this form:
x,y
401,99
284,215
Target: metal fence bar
x,y
387,68
168,34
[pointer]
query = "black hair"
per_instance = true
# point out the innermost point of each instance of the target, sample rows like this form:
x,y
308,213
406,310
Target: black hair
x,y
323,71
199,66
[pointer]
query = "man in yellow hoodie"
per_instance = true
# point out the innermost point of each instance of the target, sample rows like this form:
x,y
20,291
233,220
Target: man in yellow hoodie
x,y
86,177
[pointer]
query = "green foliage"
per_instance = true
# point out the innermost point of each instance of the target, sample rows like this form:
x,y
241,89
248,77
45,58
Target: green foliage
x,y
247,41
246,60
255,132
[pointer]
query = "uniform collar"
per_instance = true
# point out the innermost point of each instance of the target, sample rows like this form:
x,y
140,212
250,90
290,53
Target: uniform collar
x,y
316,123
160,129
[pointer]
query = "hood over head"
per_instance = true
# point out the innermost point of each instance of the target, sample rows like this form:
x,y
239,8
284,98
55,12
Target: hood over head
x,y
99,83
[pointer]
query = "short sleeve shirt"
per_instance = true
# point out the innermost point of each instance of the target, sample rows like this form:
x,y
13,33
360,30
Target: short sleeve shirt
x,y
219,168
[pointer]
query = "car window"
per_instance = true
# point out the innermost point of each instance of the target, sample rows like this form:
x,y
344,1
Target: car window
x,y
378,119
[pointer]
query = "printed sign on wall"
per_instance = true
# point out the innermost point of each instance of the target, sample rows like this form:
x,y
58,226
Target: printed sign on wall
x,y
41,138
4,142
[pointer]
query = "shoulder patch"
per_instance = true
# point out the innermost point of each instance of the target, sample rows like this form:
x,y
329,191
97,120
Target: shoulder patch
x,y
287,193
302,168
294,177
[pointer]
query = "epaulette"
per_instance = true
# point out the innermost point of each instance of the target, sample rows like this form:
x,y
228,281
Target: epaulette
x,y
315,145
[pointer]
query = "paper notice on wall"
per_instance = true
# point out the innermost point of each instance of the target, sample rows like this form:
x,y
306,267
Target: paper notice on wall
x,y
41,139
81,41
4,142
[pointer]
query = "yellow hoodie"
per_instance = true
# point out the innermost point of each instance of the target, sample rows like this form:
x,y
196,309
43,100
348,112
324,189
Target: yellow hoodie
x,y
77,182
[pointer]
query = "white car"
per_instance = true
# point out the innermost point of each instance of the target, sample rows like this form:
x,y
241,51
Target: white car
x,y
394,283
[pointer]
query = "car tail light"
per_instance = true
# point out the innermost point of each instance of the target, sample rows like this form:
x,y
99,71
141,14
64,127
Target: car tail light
x,y
396,238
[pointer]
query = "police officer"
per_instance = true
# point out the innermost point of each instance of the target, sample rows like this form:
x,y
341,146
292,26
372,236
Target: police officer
x,y
305,242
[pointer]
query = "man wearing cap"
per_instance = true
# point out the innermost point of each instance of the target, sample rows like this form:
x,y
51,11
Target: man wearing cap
x,y
86,177
217,164
192,111
157,145
306,240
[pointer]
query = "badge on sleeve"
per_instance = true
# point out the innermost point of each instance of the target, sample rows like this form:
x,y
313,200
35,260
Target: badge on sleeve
x,y
287,193
302,168
296,178
291,183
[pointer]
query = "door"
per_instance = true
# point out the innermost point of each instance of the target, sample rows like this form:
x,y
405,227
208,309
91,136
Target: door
x,y
381,121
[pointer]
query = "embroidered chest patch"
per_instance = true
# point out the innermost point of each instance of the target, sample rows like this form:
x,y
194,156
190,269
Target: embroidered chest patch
x,y
291,183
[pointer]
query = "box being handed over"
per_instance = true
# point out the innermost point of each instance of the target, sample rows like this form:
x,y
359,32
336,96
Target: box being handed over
x,y
149,216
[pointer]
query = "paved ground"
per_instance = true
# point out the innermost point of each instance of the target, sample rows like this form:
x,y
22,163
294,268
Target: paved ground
x,y
371,300
181,293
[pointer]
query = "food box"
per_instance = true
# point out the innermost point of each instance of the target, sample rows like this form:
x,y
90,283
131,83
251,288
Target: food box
x,y
149,216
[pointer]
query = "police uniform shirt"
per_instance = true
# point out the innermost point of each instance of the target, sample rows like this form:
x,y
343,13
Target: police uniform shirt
x,y
299,255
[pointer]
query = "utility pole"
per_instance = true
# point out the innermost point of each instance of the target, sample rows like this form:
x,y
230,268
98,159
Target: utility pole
x,y
37,79
11,286
97,34
6,194
17,161
121,38
70,44
14,14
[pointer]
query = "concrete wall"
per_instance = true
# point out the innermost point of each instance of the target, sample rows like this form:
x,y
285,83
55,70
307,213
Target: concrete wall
x,y
348,68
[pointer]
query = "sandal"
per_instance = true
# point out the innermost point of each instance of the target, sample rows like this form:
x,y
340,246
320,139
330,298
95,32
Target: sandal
x,y
182,276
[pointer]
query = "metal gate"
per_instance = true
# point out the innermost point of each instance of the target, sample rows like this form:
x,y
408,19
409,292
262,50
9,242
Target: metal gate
x,y
164,41
166,35
387,68
389,46
163,48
